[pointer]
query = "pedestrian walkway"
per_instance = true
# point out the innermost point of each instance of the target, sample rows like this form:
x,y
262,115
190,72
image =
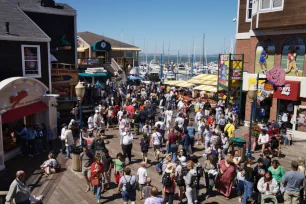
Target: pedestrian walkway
x,y
69,186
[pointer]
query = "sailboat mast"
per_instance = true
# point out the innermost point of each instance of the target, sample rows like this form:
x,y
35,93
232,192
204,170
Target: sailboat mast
x,y
147,48
155,52
169,52
205,51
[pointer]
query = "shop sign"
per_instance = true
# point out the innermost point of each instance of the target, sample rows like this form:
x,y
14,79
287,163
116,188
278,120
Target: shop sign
x,y
16,99
61,78
290,91
237,70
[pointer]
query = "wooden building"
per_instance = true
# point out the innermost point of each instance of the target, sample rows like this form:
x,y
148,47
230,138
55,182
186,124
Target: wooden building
x,y
273,33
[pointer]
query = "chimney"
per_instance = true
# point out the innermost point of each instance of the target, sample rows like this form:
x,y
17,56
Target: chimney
x,y
7,26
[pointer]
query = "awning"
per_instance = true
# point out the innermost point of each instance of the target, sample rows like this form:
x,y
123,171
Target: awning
x,y
172,83
23,111
209,77
93,75
203,81
81,49
206,88
184,84
133,78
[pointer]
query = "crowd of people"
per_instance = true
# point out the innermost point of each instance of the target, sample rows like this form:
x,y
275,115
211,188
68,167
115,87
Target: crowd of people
x,y
174,129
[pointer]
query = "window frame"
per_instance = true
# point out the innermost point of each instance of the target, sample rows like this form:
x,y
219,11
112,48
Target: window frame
x,y
271,9
38,75
247,19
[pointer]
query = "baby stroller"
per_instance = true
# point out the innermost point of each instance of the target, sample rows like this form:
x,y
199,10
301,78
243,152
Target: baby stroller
x,y
268,199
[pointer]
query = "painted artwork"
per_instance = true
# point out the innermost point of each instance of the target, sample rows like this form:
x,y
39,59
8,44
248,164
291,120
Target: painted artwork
x,y
265,52
223,70
293,57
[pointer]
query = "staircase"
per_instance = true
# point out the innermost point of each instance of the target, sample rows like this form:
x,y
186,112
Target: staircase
x,y
113,67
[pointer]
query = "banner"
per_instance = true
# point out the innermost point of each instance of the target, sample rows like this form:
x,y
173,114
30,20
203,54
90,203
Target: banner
x,y
223,70
237,70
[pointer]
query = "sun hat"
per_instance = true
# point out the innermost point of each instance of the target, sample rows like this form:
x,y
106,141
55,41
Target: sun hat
x,y
169,168
182,160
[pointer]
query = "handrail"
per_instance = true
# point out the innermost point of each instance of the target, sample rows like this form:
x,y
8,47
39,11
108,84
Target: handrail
x,y
116,65
3,193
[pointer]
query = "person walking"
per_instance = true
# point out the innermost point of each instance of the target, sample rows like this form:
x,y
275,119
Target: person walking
x,y
144,147
62,138
19,192
86,158
107,165
293,181
267,186
127,144
277,171
168,181
156,143
249,179
32,134
68,141
128,185
172,144
98,145
154,198
97,179
209,174
142,178
190,182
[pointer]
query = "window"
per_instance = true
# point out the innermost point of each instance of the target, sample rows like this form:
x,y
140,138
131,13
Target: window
x,y
270,5
249,10
31,64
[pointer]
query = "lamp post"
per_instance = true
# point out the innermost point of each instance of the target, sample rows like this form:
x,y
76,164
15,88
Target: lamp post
x,y
80,92
252,94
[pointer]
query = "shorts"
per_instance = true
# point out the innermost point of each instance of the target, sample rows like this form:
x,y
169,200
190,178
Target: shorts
x,y
141,187
128,196
156,148
145,154
86,171
109,120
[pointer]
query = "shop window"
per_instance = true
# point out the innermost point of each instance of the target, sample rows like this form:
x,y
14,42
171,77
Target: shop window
x,y
285,111
301,119
265,52
31,63
293,57
271,5
249,10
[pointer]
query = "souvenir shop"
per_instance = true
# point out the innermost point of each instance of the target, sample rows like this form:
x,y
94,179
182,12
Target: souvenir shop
x,y
23,101
287,104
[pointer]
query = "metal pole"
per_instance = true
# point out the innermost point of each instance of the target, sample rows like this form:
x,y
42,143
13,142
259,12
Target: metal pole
x,y
192,62
255,109
250,132
161,67
81,122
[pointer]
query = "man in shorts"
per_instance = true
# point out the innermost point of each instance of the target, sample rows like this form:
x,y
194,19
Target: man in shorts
x,y
156,143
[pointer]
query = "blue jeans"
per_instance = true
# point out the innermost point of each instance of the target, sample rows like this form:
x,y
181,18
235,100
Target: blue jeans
x,y
24,147
97,190
248,191
128,196
68,151
173,150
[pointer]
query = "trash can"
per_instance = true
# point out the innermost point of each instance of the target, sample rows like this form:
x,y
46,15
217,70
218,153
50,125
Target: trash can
x,y
76,159
240,145
76,162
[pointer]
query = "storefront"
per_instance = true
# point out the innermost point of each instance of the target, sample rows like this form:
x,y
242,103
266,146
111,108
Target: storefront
x,y
286,105
23,101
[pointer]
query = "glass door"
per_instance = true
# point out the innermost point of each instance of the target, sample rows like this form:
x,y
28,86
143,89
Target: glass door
x,y
299,122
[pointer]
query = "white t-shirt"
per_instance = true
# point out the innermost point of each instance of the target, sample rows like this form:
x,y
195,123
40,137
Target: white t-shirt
x,y
90,122
63,133
127,139
180,121
142,175
169,114
180,105
263,138
120,114
162,124
199,116
156,137
97,120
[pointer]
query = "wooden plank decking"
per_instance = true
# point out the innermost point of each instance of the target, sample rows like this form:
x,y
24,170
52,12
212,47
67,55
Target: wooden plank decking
x,y
69,186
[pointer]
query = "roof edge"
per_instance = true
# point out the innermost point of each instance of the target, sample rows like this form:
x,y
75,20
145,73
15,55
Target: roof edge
x,y
48,12
27,39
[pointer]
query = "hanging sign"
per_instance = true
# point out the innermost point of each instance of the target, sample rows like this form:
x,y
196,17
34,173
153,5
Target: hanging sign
x,y
290,91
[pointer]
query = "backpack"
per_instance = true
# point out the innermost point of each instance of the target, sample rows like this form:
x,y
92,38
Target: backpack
x,y
128,186
194,182
200,171
180,178
159,167
166,180
144,145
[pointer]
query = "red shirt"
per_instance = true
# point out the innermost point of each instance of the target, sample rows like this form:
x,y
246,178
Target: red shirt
x,y
291,56
96,169
172,138
210,120
130,109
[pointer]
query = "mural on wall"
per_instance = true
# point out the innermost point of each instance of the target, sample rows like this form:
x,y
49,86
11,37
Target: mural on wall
x,y
265,52
293,57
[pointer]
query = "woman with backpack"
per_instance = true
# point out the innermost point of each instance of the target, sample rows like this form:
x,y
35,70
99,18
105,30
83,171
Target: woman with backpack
x,y
180,171
128,185
191,184
144,147
168,181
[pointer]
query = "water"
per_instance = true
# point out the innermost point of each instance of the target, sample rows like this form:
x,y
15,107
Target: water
x,y
183,58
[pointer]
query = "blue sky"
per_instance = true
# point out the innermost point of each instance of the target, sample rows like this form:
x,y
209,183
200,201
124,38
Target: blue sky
x,y
158,20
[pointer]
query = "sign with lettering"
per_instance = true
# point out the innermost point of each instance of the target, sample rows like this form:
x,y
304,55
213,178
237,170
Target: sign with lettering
x,y
16,99
290,91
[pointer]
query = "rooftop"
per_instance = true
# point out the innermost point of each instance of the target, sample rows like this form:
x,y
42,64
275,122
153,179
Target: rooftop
x,y
92,38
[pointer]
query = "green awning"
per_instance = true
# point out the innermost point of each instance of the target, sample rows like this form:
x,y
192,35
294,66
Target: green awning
x,y
93,75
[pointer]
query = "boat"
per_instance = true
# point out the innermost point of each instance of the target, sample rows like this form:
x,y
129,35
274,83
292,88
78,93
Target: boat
x,y
170,75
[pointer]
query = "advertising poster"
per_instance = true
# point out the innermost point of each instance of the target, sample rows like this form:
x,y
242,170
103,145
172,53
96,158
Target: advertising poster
x,y
293,57
237,70
223,70
265,52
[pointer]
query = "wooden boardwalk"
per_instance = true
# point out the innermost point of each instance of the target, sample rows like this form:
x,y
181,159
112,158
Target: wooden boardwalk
x,y
69,186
